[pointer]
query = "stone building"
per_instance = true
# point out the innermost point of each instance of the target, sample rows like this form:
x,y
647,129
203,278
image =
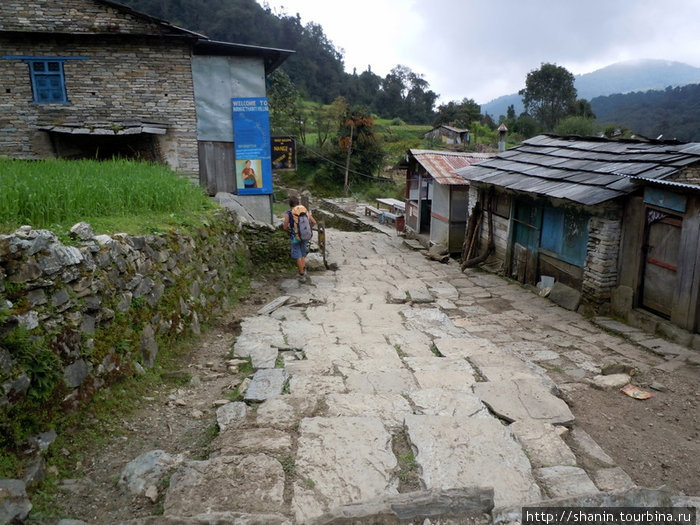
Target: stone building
x,y
617,221
93,78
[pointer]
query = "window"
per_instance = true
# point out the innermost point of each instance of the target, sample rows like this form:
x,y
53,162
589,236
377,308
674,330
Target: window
x,y
565,234
48,84
47,78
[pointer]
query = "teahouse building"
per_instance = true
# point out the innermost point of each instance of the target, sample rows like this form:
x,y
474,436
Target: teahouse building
x,y
616,220
93,78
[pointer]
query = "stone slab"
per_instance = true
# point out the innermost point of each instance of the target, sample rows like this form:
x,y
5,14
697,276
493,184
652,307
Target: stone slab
x,y
266,383
543,444
390,408
476,452
396,381
252,483
237,441
612,479
524,399
285,412
457,379
464,347
341,460
263,356
229,413
565,482
585,444
446,402
444,506
316,387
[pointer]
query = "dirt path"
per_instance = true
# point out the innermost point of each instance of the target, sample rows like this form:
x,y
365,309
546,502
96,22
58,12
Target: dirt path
x,y
177,419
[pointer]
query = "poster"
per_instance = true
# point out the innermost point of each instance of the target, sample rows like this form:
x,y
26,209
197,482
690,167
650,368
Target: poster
x,y
284,153
251,138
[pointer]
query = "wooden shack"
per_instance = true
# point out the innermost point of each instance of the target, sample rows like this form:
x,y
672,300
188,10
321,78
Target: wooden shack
x,y
436,198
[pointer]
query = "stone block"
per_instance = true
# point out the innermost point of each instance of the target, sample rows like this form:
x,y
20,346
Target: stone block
x,y
266,383
565,482
542,442
341,460
477,452
243,483
565,296
524,399
621,300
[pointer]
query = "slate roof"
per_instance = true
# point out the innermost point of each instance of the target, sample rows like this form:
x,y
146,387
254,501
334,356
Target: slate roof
x,y
587,171
441,165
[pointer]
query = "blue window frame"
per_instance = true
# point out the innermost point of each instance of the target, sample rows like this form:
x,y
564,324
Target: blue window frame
x,y
47,78
565,234
48,81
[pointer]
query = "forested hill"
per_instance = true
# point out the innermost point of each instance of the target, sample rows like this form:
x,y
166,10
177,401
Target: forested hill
x,y
316,68
673,112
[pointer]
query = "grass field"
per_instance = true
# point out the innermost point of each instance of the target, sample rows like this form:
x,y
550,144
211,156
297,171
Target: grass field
x,y
113,196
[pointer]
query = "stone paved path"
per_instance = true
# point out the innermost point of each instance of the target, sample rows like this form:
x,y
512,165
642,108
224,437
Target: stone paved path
x,y
393,346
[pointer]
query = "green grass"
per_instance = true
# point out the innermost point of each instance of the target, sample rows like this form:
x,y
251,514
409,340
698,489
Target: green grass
x,y
113,196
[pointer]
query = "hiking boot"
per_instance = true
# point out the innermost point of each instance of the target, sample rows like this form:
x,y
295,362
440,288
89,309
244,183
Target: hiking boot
x,y
302,277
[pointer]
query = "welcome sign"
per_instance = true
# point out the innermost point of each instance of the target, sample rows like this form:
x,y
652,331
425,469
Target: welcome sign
x,y
251,139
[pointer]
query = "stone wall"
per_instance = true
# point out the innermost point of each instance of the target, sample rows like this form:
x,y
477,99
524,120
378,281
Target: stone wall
x,y
600,269
72,16
73,316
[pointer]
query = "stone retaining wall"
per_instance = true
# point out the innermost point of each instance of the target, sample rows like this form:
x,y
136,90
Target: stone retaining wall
x,y
73,316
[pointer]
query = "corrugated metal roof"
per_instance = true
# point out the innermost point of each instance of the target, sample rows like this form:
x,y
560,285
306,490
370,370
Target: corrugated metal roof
x,y
583,170
441,165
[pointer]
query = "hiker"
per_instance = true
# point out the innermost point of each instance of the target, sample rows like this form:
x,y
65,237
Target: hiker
x,y
300,246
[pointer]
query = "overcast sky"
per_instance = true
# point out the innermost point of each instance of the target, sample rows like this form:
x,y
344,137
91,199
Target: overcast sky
x,y
482,49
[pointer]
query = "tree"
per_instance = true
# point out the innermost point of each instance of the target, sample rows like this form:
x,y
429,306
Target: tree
x,y
458,114
286,106
582,108
582,126
549,94
405,94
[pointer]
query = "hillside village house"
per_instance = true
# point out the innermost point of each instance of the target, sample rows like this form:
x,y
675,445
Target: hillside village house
x,y
436,198
93,78
616,220
448,135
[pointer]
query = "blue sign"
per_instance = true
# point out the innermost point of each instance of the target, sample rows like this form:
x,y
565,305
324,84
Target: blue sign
x,y
251,139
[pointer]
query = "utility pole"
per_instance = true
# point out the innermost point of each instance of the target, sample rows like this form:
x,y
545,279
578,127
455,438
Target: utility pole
x,y
347,160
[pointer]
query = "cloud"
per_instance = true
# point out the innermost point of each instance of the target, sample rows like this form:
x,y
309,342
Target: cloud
x,y
481,49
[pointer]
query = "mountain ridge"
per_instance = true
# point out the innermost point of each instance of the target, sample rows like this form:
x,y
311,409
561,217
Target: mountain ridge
x,y
618,78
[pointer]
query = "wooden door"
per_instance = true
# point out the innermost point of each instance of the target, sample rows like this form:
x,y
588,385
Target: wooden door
x,y
663,234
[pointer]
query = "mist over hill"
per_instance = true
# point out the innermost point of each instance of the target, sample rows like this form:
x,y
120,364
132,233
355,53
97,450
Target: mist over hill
x,y
622,77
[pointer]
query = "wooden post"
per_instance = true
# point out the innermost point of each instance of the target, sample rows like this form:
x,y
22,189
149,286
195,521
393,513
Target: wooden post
x,y
347,160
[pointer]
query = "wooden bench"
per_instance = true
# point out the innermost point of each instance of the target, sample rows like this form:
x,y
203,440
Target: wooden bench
x,y
372,211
